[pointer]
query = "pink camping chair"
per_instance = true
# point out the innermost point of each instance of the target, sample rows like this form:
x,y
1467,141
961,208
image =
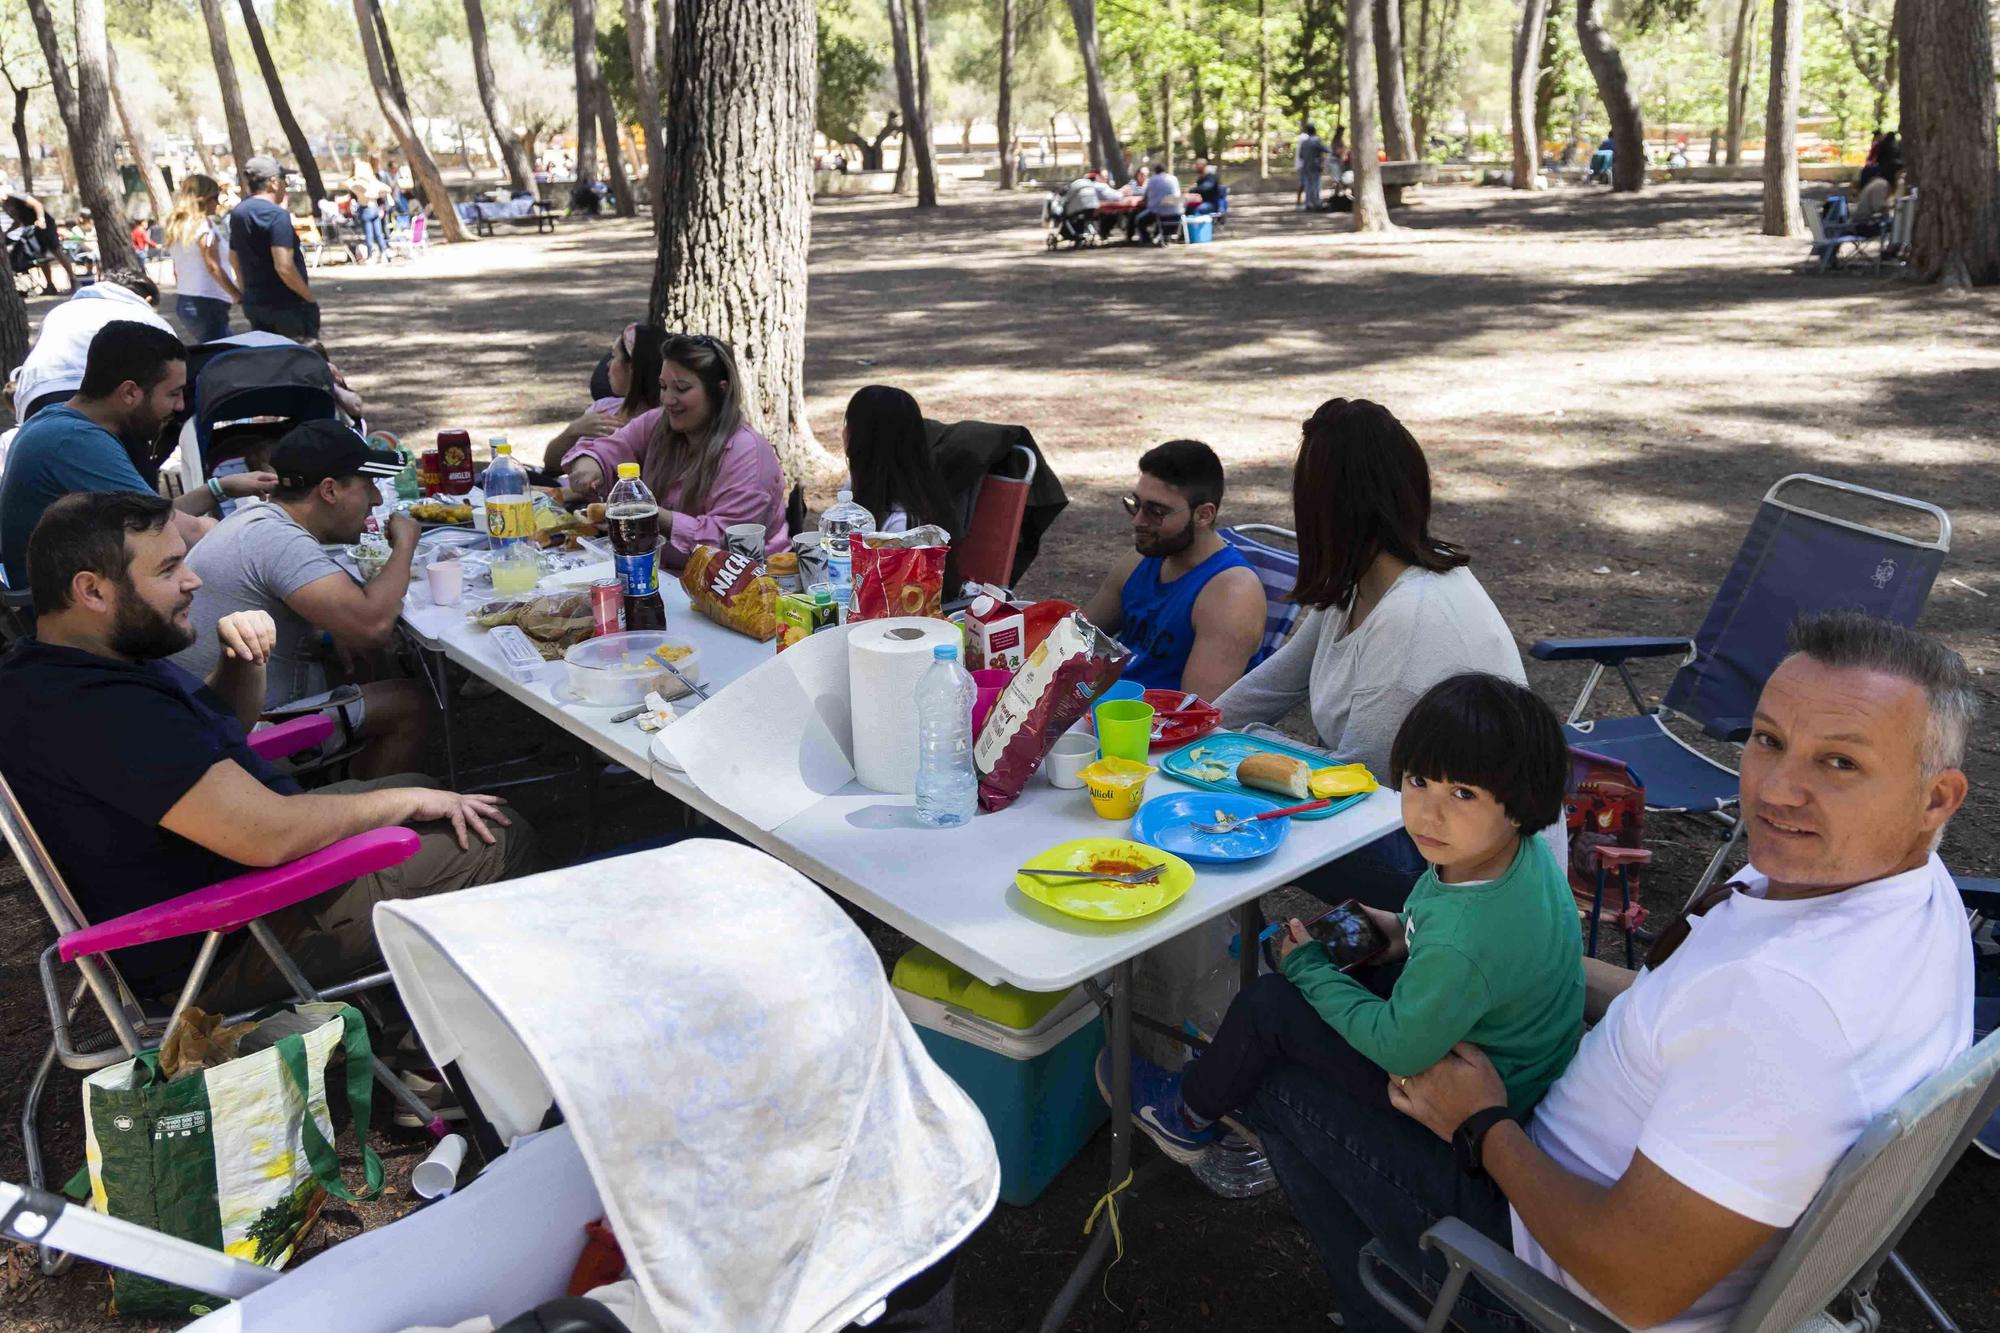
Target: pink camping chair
x,y
213,912
416,241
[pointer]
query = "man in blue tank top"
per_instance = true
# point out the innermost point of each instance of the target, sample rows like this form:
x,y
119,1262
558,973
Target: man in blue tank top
x,y
1188,606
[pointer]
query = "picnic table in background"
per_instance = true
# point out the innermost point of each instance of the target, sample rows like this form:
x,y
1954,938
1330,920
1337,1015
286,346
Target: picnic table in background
x,y
1132,203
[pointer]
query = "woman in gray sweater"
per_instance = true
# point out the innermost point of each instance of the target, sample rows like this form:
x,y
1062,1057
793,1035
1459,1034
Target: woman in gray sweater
x,y
1391,611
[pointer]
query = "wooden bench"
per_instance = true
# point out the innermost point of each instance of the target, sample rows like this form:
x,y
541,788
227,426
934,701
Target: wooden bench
x,y
1399,176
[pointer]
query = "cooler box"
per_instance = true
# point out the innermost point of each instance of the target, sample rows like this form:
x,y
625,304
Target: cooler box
x,y
1027,1060
1200,230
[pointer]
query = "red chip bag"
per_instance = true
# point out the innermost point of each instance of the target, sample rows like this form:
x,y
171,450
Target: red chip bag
x,y
1065,674
899,573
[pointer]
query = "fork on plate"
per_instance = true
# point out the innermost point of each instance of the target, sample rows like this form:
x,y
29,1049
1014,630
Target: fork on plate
x,y
1230,823
1150,875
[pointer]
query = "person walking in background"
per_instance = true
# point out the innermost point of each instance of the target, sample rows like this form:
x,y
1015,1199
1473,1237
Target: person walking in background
x,y
1307,158
203,287
264,252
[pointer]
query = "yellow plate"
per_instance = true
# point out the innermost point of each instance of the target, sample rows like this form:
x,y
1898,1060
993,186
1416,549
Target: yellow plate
x,y
1341,780
1094,900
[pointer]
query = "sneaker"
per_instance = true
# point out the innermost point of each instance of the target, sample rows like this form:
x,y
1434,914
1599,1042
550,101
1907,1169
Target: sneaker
x,y
434,1093
1157,1109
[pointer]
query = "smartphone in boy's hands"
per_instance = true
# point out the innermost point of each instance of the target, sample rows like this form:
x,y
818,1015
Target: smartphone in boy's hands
x,y
1350,936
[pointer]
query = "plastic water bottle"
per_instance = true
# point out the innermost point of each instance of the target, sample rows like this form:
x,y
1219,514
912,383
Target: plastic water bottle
x,y
947,786
838,524
510,522
633,516
1234,1168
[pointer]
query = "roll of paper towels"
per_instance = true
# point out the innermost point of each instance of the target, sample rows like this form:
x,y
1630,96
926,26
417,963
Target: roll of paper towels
x,y
886,661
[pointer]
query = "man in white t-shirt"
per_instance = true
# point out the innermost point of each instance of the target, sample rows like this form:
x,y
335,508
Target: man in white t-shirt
x,y
53,370
1165,200
1704,1111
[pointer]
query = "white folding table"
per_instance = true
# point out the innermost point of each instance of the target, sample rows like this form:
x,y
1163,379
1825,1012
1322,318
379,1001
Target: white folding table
x,y
950,890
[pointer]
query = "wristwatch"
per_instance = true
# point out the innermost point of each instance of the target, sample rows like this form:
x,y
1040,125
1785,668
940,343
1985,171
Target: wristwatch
x,y
1471,1134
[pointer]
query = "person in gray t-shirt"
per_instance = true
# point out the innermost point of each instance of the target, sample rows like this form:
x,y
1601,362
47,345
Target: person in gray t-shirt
x,y
272,557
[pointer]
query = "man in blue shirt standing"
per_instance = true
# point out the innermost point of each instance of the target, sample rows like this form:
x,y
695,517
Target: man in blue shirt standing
x,y
1184,601
264,249
132,382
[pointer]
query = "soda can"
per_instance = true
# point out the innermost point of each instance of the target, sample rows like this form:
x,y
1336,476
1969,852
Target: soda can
x,y
810,548
430,472
607,607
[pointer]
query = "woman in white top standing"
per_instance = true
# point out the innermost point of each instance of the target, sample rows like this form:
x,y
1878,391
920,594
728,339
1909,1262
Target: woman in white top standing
x,y
1391,610
203,288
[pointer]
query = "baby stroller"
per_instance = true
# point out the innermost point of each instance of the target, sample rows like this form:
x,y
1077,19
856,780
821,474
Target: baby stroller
x,y
760,1128
243,393
1077,230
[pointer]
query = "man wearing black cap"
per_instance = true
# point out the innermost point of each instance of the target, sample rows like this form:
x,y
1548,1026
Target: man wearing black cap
x,y
272,558
264,250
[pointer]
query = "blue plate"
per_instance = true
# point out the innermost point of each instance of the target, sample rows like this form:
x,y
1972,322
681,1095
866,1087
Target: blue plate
x,y
1166,822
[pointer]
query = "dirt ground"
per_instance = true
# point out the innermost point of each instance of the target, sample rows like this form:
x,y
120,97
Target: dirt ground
x,y
1604,387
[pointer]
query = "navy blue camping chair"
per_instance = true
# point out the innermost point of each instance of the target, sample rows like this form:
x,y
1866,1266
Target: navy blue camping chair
x,y
1795,560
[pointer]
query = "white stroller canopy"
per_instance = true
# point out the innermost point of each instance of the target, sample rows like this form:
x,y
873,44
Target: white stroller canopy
x,y
772,1144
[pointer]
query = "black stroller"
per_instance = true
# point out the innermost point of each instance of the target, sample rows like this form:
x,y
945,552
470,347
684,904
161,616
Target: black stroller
x,y
1077,230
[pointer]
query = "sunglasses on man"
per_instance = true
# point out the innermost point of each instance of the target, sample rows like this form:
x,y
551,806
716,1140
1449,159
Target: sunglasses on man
x,y
1154,511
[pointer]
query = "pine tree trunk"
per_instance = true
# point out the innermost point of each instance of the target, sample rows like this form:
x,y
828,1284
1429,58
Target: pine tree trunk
x,y
1108,152
138,135
1263,94
1946,51
1004,118
916,125
1607,69
301,148
639,18
1395,97
1781,122
1528,40
241,146
59,83
96,161
738,194
27,159
1739,57
13,327
616,177
423,168
520,169
583,54
1371,209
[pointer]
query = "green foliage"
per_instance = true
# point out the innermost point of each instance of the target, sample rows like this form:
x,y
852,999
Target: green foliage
x,y
850,72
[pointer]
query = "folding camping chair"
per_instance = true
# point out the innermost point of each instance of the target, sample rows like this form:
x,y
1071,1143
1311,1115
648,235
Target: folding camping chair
x,y
1836,1250
1278,570
1829,239
993,525
1794,561
211,913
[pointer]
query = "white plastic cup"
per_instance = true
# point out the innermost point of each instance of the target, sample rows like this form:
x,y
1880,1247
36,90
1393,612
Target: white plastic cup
x,y
437,1175
745,538
447,580
1073,752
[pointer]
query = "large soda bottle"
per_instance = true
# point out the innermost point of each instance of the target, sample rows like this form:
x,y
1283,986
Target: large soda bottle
x,y
836,525
633,516
947,785
510,523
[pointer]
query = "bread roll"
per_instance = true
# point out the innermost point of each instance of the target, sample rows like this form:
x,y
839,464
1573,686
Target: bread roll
x,y
1276,772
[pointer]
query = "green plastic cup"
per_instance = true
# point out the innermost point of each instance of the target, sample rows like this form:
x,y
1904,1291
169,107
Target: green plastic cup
x,y
1125,729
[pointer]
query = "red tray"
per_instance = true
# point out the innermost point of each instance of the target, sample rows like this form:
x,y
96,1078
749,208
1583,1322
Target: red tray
x,y
1181,725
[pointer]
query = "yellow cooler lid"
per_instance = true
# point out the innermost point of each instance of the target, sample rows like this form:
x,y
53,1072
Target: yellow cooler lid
x,y
921,972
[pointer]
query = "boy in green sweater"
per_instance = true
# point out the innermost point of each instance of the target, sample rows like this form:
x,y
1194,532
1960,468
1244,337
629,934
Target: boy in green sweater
x,y
1486,950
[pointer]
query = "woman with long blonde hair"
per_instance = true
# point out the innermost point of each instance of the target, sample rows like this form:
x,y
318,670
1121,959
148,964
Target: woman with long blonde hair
x,y
203,287
702,462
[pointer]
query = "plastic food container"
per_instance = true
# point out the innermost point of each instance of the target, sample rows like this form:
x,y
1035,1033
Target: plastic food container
x,y
619,669
370,560
1116,786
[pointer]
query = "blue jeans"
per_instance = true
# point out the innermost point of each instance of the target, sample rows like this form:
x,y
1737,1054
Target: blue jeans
x,y
1380,874
1309,182
372,232
205,318
1356,1173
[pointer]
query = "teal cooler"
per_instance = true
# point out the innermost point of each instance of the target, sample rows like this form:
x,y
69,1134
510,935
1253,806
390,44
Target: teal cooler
x,y
1200,230
1027,1060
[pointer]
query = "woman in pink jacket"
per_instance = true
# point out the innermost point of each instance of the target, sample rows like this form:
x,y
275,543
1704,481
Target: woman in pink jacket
x,y
705,466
